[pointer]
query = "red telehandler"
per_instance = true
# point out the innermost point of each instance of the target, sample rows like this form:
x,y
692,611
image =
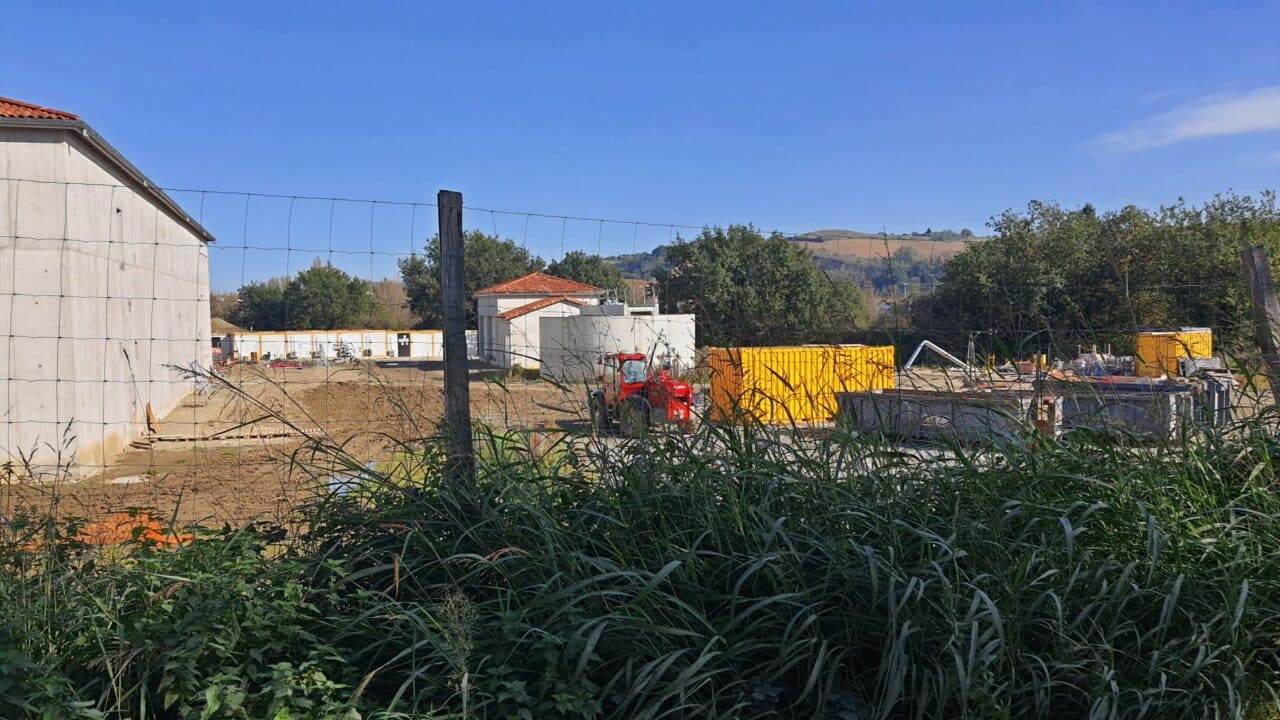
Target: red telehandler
x,y
632,397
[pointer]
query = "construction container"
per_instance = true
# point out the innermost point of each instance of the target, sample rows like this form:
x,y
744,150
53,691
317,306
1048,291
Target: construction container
x,y
971,416
1158,351
793,384
1137,407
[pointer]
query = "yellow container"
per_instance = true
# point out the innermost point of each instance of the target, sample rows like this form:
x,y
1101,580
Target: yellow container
x,y
793,384
1158,351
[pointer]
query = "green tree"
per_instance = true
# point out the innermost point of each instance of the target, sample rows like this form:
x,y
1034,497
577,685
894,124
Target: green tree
x,y
326,298
489,261
589,269
260,306
748,289
1049,275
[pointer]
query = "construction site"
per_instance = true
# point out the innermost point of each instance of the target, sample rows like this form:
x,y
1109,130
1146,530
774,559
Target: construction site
x,y
119,392
237,448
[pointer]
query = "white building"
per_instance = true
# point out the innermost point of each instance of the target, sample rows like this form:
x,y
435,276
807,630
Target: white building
x,y
572,346
104,290
508,315
336,344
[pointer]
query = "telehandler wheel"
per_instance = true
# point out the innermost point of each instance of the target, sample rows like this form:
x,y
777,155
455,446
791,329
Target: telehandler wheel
x,y
634,417
600,416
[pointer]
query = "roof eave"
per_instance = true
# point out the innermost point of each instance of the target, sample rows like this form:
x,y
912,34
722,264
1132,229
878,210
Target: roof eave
x,y
558,293
527,308
113,156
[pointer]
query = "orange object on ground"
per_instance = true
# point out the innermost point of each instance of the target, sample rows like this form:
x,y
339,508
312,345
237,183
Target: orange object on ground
x,y
120,527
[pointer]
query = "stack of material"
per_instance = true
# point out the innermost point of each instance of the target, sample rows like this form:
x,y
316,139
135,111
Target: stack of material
x,y
966,416
1139,406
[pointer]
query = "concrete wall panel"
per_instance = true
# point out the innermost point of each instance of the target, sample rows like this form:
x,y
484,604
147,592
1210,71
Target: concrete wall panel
x,y
134,287
571,346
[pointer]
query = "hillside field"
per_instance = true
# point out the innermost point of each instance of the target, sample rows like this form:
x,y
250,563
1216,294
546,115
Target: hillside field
x,y
839,247
848,245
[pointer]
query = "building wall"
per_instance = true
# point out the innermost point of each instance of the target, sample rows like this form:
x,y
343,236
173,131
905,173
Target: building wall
x,y
107,297
324,344
571,346
522,343
494,341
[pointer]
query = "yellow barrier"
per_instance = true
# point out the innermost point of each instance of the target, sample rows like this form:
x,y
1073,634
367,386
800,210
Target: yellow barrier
x,y
1158,351
793,384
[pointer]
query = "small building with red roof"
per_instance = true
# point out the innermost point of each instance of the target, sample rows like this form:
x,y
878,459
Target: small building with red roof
x,y
508,315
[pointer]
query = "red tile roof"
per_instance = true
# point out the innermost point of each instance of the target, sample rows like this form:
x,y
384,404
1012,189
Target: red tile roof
x,y
18,109
539,284
525,309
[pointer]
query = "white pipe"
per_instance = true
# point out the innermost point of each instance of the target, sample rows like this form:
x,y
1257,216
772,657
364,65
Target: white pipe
x,y
948,356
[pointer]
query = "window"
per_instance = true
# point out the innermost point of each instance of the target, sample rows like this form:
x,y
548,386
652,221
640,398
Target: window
x,y
633,371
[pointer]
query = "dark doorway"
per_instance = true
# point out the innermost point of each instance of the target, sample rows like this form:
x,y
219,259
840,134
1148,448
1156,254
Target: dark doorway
x,y
402,345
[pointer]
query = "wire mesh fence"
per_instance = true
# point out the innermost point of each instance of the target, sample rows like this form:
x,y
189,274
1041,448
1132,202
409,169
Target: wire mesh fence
x,y
126,382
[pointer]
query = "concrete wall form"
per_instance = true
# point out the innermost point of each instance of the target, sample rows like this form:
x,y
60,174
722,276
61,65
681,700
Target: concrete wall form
x,y
1155,412
1142,413
571,346
964,417
103,296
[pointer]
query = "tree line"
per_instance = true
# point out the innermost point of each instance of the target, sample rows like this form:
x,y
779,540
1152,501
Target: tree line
x,y
743,287
491,260
1052,274
1047,274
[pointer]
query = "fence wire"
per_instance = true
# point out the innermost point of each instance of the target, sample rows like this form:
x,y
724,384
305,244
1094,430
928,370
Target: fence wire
x,y
121,390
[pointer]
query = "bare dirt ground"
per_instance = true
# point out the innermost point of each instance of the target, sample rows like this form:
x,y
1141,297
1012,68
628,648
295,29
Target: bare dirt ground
x,y
230,469
246,448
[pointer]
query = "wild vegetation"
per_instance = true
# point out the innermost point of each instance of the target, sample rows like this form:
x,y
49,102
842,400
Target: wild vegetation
x,y
748,289
320,298
725,574
490,260
1082,275
590,269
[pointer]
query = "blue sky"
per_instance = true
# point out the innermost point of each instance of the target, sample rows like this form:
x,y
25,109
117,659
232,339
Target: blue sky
x,y
791,116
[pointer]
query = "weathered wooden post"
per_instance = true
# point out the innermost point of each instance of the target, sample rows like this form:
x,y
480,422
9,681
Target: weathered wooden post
x,y
1266,313
457,392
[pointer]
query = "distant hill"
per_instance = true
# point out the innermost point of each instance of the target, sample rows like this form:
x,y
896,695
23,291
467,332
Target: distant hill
x,y
641,265
855,245
882,261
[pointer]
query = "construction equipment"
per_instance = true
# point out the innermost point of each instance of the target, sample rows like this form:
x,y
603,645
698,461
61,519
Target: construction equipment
x,y
632,396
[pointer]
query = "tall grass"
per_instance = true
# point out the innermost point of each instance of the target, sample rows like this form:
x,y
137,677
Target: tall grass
x,y
731,573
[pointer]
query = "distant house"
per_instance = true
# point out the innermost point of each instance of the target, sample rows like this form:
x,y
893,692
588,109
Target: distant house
x,y
109,296
508,314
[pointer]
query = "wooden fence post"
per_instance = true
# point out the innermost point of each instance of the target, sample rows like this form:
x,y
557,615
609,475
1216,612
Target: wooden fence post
x,y
457,392
1266,313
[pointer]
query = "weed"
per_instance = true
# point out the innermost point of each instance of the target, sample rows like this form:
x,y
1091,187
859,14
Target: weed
x,y
736,572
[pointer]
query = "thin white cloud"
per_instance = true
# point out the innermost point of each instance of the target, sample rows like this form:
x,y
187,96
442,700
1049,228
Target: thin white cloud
x,y
1161,96
1214,116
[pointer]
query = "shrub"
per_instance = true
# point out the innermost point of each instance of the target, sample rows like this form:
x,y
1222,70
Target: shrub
x,y
735,572
835,577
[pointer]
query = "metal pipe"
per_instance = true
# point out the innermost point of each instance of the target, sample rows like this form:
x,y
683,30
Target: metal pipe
x,y
946,355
